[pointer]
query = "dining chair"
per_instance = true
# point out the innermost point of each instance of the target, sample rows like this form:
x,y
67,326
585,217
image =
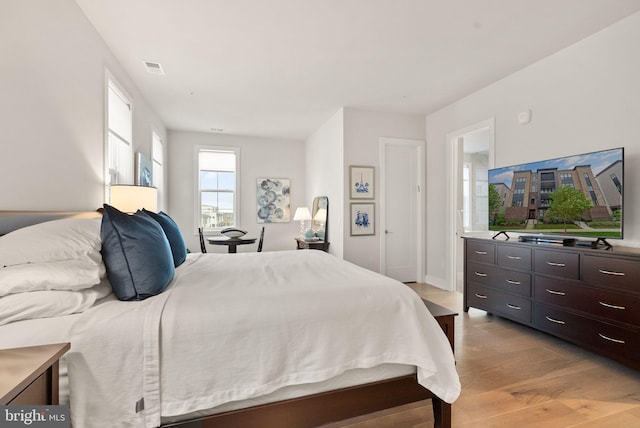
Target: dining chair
x,y
203,248
261,239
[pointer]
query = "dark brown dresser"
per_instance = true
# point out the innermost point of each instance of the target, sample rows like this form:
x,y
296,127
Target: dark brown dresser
x,y
590,297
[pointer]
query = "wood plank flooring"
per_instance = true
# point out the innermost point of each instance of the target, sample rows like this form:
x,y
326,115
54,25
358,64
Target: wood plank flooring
x,y
514,376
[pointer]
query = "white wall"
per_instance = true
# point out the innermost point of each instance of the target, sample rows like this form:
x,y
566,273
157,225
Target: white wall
x,y
324,154
362,132
52,85
584,98
259,158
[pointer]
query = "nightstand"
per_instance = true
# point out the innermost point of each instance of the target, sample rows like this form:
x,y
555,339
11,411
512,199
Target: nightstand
x,y
29,375
301,244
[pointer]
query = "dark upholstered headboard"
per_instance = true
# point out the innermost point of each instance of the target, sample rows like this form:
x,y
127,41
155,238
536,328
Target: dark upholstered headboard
x,y
12,220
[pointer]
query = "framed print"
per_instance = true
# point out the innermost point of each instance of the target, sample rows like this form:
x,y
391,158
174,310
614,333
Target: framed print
x,y
273,200
144,171
361,182
363,218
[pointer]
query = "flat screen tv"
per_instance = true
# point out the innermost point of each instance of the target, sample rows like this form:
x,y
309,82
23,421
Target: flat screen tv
x,y
573,196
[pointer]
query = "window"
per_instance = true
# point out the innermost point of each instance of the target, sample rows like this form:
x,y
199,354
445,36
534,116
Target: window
x,y
616,182
217,188
157,157
119,136
466,196
566,179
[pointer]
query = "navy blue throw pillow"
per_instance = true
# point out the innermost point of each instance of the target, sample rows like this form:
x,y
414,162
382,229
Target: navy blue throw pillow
x,y
176,240
136,253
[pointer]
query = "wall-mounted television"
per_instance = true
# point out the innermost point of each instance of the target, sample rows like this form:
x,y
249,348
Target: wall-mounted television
x,y
573,196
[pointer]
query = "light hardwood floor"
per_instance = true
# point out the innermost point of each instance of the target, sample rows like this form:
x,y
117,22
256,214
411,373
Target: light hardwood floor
x,y
513,376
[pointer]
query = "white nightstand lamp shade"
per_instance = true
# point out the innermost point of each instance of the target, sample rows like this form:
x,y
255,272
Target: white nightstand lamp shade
x,y
129,199
302,214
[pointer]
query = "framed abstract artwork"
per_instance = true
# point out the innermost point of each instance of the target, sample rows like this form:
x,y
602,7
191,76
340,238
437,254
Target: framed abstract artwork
x,y
273,200
144,171
361,182
363,218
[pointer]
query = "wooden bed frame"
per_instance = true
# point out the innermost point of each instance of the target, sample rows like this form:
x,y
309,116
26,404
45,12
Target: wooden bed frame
x,y
332,406
307,411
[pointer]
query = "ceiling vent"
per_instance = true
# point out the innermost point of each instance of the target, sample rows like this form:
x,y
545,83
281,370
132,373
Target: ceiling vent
x,y
154,68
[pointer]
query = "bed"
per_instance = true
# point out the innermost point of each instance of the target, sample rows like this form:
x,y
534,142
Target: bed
x,y
291,338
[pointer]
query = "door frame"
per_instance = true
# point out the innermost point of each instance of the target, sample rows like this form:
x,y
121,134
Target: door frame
x,y
420,147
454,141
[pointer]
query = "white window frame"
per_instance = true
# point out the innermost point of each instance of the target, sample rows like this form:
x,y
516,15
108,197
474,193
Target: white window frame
x,y
197,198
157,160
124,172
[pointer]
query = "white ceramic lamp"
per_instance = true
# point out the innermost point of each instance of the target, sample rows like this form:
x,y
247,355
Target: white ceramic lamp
x,y
129,199
302,214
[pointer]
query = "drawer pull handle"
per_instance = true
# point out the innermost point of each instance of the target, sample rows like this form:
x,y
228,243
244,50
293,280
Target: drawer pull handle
x,y
513,282
482,253
554,320
514,257
556,264
513,306
480,274
607,305
608,272
611,339
480,296
559,293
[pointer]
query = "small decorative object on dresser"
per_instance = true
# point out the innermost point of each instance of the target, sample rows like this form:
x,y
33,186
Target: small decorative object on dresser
x,y
590,297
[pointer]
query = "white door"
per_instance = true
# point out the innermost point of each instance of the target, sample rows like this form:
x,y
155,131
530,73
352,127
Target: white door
x,y
401,209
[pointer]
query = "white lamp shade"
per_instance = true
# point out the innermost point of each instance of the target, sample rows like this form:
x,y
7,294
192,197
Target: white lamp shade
x,y
321,215
302,213
129,199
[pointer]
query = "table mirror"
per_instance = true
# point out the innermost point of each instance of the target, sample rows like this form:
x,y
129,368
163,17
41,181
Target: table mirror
x,y
320,217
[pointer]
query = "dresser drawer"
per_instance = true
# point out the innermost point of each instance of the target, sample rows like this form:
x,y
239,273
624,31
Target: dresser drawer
x,y
619,274
557,263
607,304
619,343
483,252
514,257
503,279
37,393
514,307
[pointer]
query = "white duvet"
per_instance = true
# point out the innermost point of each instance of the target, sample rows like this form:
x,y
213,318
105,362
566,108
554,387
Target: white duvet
x,y
233,327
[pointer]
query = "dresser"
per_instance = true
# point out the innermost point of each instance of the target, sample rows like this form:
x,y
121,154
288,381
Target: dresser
x,y
590,297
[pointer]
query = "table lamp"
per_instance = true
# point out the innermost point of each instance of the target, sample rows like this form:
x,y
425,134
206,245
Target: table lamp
x,y
302,214
129,199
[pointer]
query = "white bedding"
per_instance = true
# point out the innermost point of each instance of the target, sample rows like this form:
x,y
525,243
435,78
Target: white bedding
x,y
235,327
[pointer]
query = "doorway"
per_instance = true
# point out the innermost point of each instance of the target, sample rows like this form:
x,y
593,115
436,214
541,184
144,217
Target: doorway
x,y
472,157
402,209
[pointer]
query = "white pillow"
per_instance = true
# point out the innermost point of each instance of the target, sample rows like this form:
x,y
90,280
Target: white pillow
x,y
46,304
60,275
67,239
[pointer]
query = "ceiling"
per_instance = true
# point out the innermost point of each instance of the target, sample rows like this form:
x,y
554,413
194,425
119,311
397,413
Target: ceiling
x,y
281,68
